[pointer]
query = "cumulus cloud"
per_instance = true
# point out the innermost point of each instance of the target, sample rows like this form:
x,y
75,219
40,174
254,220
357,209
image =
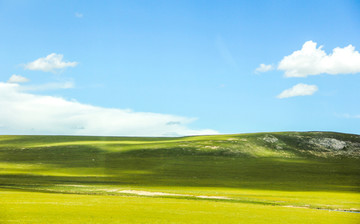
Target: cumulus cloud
x,y
264,68
313,60
50,63
298,90
25,113
17,79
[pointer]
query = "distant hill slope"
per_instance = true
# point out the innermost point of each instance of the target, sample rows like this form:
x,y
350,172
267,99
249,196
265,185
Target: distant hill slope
x,y
321,144
282,161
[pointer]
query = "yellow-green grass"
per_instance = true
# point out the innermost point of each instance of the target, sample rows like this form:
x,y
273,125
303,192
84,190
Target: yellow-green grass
x,y
30,207
258,174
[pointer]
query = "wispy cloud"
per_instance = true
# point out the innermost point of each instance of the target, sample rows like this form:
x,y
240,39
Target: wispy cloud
x,y
264,68
48,86
225,52
50,63
312,60
17,79
351,116
27,113
298,90
79,15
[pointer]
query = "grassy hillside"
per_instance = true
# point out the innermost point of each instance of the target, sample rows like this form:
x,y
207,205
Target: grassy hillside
x,y
271,171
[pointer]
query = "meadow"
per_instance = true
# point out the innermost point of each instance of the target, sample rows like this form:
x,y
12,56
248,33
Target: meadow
x,y
289,177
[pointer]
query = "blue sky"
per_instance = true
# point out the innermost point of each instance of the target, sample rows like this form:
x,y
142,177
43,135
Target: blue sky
x,y
164,68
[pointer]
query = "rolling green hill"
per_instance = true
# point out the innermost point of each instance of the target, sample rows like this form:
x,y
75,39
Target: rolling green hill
x,y
316,174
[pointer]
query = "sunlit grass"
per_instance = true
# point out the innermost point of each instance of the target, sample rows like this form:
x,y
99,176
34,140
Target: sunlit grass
x,y
24,207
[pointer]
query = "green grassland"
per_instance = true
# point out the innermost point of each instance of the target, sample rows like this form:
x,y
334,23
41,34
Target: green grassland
x,y
290,177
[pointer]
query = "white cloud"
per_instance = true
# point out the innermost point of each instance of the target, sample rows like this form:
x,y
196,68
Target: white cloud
x,y
25,113
264,68
79,15
311,60
17,79
298,90
50,63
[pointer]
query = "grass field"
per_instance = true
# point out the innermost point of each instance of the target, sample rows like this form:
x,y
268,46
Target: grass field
x,y
291,177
